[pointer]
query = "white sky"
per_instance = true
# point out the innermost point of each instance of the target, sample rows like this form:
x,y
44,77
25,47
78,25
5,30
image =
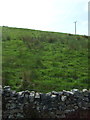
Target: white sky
x,y
46,15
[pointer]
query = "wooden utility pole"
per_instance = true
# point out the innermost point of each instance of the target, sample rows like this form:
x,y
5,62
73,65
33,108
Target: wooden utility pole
x,y
75,26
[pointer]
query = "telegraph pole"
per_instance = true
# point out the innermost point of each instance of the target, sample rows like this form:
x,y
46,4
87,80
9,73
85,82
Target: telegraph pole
x,y
75,26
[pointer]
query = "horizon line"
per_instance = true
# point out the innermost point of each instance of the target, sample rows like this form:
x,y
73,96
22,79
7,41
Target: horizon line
x,y
41,30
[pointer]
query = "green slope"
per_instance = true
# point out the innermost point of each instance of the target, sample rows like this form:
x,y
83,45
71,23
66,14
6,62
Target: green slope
x,y
44,61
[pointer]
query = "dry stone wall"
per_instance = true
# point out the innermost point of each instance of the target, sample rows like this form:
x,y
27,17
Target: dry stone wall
x,y
32,104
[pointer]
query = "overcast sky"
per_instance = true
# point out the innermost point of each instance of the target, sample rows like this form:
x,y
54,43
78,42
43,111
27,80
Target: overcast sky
x,y
46,15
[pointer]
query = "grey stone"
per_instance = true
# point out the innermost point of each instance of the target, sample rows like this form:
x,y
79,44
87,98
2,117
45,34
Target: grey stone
x,y
74,90
62,116
53,97
84,90
67,111
54,93
75,107
20,115
37,96
7,88
63,98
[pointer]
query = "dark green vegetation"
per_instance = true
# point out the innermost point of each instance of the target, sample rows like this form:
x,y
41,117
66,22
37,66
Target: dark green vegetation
x,y
43,60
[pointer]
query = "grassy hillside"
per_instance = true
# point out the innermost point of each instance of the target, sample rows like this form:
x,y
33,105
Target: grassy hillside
x,y
44,61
